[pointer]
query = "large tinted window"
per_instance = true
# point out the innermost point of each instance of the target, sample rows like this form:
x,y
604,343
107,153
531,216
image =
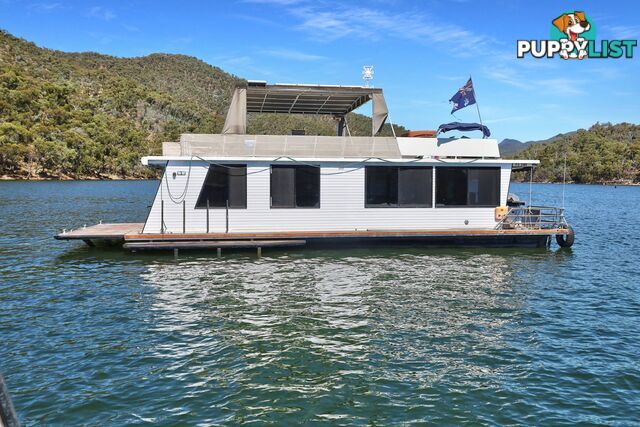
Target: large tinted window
x,y
484,186
224,183
451,186
457,186
295,187
398,186
381,185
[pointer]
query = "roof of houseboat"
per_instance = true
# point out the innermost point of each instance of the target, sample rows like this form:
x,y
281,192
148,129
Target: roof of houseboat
x,y
289,98
260,97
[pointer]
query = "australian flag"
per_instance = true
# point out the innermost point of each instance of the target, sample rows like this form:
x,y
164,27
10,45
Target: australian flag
x,y
464,96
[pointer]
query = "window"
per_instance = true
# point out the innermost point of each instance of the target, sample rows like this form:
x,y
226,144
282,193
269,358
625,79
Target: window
x,y
467,186
484,186
451,186
295,187
405,187
381,185
224,182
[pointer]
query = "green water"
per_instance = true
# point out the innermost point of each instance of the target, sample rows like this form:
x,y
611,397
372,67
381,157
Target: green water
x,y
380,337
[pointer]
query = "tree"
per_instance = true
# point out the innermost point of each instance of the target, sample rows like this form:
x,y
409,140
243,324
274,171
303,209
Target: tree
x,y
55,157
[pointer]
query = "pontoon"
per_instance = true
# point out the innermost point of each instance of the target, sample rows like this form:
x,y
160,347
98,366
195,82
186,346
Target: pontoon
x,y
238,190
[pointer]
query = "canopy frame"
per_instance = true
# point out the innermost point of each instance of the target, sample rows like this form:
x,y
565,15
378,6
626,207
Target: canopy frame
x,y
337,101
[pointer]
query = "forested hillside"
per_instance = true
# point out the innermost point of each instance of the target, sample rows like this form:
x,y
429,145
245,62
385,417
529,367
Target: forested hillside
x,y
605,153
87,115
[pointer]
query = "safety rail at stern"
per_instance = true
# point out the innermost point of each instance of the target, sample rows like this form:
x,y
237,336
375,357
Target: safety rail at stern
x,y
533,218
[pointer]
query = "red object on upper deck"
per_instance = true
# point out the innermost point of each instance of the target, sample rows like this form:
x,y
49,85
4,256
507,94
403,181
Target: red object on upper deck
x,y
420,134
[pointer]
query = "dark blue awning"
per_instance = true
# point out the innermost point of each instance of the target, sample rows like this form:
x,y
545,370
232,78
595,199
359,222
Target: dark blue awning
x,y
464,127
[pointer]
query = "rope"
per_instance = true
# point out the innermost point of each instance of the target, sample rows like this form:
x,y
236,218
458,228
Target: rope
x,y
348,165
179,199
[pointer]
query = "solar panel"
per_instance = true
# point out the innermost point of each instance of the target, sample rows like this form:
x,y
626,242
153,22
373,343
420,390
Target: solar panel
x,y
306,99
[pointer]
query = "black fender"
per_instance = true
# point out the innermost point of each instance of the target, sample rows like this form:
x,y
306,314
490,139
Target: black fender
x,y
566,240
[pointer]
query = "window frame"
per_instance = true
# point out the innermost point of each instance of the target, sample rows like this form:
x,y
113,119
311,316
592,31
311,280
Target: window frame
x,y
497,169
295,187
397,205
211,168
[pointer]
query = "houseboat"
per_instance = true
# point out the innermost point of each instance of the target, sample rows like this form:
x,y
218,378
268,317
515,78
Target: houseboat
x,y
239,190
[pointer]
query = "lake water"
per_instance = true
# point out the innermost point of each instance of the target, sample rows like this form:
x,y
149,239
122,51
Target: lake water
x,y
449,336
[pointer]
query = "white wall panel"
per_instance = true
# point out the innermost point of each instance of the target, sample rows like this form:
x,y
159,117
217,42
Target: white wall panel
x,y
341,205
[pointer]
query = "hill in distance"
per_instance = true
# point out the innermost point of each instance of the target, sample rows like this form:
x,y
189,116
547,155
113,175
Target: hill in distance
x,y
87,115
510,147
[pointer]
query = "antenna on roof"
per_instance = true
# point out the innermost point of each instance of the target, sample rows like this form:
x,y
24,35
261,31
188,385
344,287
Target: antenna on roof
x,y
367,75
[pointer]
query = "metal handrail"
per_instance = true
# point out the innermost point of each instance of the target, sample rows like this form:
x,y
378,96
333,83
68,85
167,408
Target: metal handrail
x,y
533,217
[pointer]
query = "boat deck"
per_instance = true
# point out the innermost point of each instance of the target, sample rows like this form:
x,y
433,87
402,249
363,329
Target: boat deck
x,y
131,235
102,232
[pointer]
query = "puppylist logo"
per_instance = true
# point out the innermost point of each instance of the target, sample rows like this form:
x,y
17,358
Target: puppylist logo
x,y
573,36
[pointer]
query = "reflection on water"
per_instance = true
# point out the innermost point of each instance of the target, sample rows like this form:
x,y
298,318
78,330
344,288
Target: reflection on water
x,y
321,327
379,336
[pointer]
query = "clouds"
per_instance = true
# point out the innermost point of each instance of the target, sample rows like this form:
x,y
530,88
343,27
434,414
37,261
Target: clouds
x,y
377,24
101,12
45,7
623,32
556,85
293,55
329,22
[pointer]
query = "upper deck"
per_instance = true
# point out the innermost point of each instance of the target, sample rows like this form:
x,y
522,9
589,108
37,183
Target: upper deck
x,y
332,149
337,101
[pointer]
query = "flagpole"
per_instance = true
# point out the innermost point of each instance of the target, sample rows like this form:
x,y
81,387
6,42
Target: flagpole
x,y
475,94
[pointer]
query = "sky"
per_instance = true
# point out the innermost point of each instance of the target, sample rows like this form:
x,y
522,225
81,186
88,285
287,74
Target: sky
x,y
422,51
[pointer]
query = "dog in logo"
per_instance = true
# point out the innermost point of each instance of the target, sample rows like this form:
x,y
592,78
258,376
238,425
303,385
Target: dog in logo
x,y
573,25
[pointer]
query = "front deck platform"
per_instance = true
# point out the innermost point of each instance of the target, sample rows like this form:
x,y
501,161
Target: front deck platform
x,y
131,235
111,232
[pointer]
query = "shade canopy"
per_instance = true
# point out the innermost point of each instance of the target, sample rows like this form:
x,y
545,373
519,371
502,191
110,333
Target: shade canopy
x,y
464,127
259,97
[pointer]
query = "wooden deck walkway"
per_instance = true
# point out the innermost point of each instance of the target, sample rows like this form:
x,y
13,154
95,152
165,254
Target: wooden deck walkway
x,y
345,234
131,235
102,232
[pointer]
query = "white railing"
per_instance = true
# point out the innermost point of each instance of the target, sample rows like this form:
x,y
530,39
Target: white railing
x,y
309,146
533,218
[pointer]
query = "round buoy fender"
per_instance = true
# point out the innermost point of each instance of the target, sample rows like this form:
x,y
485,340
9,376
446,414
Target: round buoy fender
x,y
566,240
